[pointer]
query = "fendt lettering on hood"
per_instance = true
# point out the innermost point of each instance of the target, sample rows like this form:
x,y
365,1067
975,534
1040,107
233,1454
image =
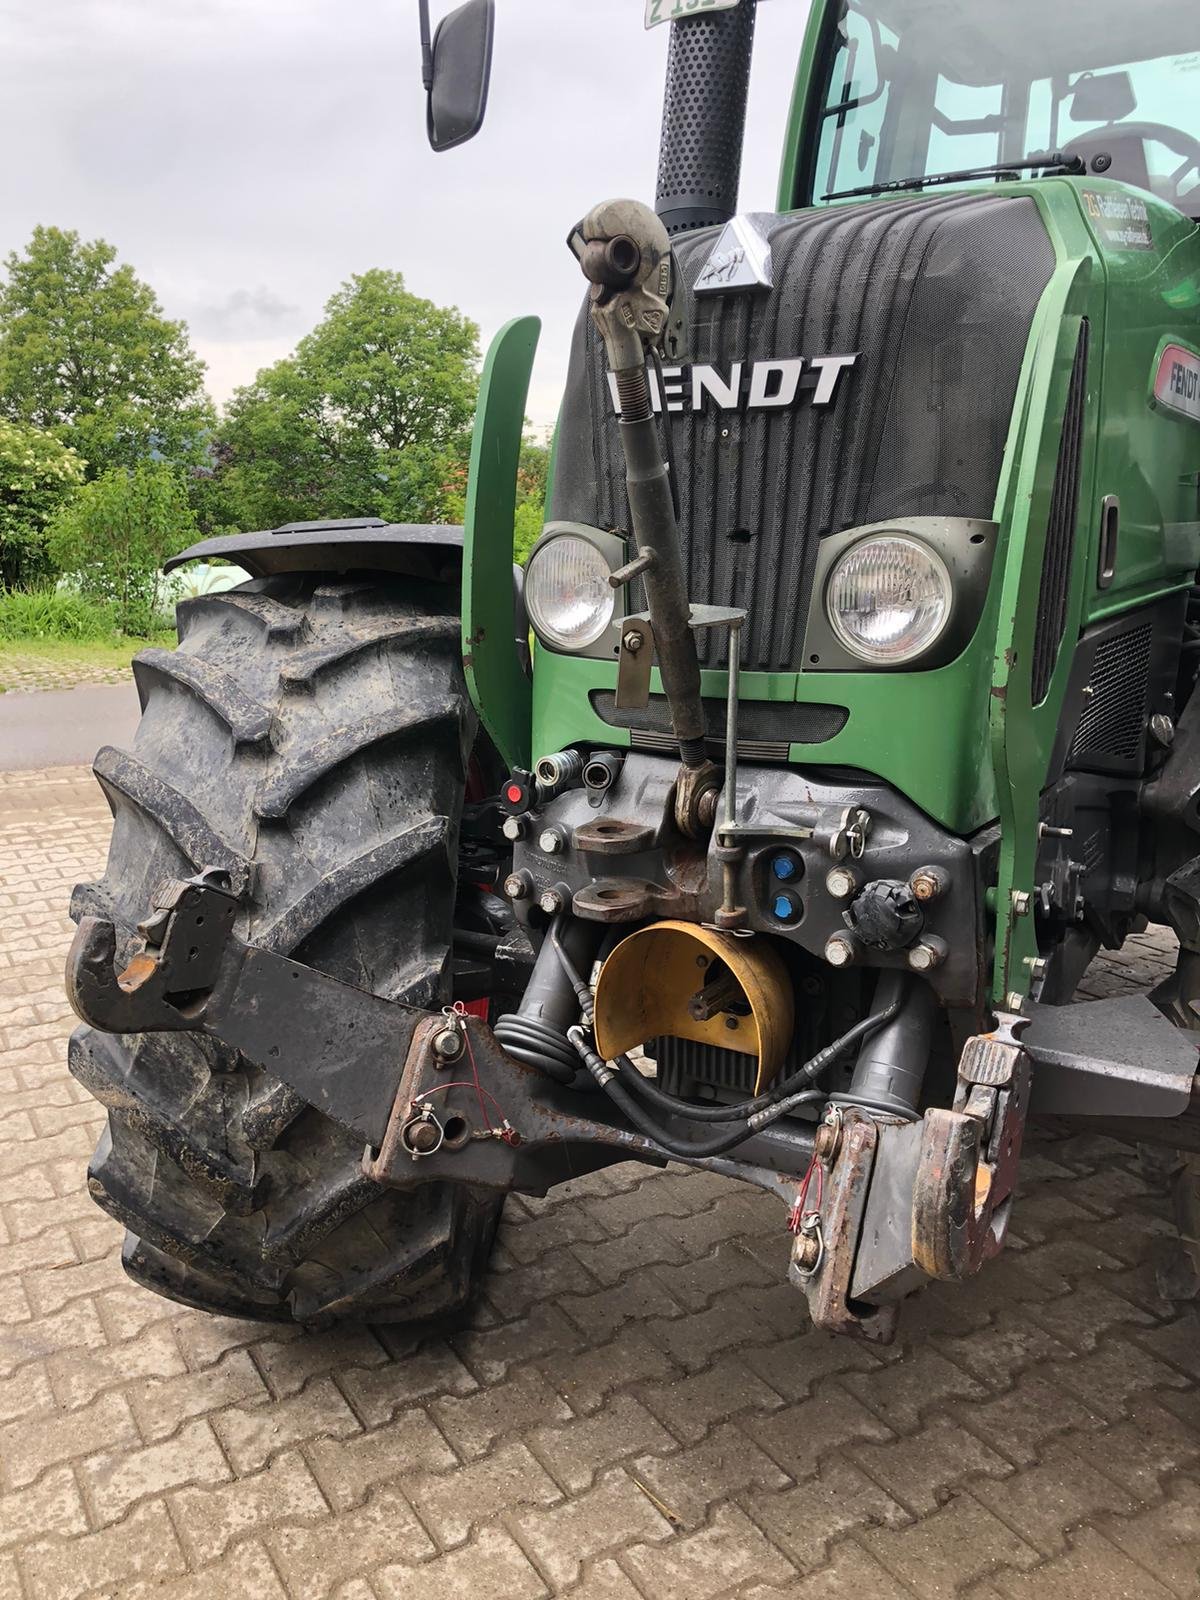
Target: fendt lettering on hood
x,y
748,386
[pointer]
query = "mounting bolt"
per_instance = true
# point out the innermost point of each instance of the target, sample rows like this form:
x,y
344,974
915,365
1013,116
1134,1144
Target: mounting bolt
x,y
843,883
929,883
1037,965
1022,903
448,1044
927,955
1014,1001
1045,831
634,642
839,952
551,902
551,842
513,828
1162,729
516,886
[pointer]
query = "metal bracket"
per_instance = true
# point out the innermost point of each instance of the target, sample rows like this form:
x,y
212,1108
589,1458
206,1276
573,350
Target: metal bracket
x,y
635,663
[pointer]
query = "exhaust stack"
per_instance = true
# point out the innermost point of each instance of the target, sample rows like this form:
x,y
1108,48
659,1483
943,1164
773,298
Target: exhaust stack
x,y
704,118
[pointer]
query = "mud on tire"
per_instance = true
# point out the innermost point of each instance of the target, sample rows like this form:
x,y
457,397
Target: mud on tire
x,y
309,737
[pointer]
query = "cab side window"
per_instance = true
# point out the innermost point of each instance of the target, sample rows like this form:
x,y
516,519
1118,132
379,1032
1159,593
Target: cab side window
x,y
856,101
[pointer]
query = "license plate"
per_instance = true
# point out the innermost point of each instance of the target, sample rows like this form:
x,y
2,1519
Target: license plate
x,y
674,10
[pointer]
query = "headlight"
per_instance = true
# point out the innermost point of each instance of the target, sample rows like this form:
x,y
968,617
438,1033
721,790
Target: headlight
x,y
889,599
567,593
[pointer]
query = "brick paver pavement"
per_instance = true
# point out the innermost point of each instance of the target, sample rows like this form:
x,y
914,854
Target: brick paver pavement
x,y
23,673
635,1411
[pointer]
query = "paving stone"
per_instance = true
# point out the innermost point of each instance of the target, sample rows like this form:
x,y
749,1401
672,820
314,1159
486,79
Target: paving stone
x,y
377,1393
723,1465
611,1516
31,1445
474,1422
800,1436
922,1472
143,1546
116,1479
575,1452
316,1559
348,1469
1165,1540
252,1435
453,1504
1092,1567
851,1572
51,1505
492,1567
944,1552
689,1406
593,1374
716,1558
210,1520
161,1406
245,1574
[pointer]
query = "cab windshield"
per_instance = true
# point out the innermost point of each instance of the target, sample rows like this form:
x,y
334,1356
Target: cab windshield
x,y
920,89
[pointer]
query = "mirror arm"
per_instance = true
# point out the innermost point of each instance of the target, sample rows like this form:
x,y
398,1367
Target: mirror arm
x,y
426,46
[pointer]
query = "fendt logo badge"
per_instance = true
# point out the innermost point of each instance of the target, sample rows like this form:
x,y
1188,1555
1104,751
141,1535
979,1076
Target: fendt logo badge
x,y
1177,385
748,385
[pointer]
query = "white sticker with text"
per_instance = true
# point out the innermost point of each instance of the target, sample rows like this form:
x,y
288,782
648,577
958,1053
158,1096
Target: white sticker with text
x,y
1177,384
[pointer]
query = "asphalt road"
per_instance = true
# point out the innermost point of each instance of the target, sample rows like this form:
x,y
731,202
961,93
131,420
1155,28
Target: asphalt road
x,y
64,727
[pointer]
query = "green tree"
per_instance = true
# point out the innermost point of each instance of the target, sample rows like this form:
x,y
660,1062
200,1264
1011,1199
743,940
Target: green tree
x,y
532,474
370,417
87,354
37,474
117,531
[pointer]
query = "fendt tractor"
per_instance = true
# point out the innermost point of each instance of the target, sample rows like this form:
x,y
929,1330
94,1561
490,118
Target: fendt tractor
x,y
767,822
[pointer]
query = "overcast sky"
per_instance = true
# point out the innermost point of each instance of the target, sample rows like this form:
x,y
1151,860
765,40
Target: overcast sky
x,y
246,156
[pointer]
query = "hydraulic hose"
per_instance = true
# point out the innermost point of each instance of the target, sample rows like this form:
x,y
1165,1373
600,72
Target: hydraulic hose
x,y
607,1077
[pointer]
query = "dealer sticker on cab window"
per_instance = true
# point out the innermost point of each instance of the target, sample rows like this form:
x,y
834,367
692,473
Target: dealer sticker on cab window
x,y
677,10
1177,382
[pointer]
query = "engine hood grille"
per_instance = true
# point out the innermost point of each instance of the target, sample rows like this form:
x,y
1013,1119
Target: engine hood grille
x,y
935,297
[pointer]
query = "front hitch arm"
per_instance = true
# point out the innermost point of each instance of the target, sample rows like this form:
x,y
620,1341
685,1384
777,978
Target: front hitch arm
x,y
340,1048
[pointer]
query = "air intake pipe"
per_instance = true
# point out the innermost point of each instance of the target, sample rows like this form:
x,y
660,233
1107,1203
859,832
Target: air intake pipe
x,y
704,118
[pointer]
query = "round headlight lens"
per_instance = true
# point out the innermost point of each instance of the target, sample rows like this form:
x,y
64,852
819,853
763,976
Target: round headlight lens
x,y
567,593
889,599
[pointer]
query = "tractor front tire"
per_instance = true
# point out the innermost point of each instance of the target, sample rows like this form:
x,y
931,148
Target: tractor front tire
x,y
309,737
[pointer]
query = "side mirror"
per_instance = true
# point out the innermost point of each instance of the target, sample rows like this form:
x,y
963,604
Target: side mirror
x,y
457,68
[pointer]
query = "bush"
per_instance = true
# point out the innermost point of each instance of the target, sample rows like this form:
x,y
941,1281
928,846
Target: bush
x,y
54,614
116,533
37,474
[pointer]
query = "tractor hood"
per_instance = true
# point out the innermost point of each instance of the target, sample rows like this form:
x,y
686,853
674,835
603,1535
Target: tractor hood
x,y
842,368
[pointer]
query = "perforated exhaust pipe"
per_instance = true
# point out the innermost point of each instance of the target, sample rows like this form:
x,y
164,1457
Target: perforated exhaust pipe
x,y
704,118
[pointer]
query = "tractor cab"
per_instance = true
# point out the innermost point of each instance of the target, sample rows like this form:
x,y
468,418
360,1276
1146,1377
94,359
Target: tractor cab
x,y
911,93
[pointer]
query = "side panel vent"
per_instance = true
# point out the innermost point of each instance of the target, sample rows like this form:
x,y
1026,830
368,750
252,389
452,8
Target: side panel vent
x,y
1113,721
1060,533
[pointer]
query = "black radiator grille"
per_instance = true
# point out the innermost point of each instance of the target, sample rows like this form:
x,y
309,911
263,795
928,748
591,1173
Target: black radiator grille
x,y
935,295
1060,530
1113,721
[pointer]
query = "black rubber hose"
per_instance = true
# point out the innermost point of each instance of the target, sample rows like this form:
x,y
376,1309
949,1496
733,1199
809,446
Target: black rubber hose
x,y
645,1123
808,1073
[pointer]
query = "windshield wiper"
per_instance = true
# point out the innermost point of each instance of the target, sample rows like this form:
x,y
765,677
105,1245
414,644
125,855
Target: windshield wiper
x,y
1054,161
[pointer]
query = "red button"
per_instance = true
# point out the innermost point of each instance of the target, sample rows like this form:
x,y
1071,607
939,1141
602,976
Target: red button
x,y
515,794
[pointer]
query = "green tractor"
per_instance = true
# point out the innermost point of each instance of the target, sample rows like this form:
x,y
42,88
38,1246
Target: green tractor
x,y
860,713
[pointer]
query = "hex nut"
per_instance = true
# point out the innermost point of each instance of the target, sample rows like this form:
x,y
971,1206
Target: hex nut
x,y
1021,903
551,902
550,842
839,952
513,828
516,887
927,884
842,882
